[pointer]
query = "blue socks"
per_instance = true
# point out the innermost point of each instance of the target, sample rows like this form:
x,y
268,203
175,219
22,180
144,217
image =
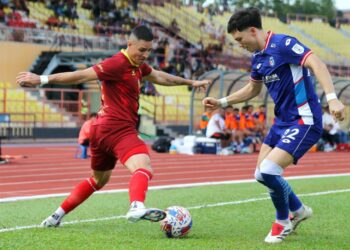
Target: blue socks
x,y
282,196
279,193
294,202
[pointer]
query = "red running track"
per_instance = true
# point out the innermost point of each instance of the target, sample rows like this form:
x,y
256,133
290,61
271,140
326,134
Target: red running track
x,y
54,170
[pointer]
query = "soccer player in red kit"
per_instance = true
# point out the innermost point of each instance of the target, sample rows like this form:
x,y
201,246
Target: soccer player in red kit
x,y
113,134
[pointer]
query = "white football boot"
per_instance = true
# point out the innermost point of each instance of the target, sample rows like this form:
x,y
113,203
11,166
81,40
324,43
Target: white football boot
x,y
296,218
278,232
138,212
51,221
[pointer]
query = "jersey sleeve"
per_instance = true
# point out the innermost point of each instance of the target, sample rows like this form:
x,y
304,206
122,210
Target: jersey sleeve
x,y
255,76
108,69
145,69
293,51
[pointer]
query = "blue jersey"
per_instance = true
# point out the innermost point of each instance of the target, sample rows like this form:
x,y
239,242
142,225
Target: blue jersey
x,y
280,66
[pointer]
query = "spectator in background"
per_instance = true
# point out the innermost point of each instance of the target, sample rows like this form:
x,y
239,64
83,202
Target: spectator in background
x,y
2,15
250,121
260,120
84,136
232,119
330,130
174,27
216,128
204,121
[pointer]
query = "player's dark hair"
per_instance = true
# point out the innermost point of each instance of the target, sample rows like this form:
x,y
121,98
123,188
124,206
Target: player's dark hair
x,y
142,32
244,18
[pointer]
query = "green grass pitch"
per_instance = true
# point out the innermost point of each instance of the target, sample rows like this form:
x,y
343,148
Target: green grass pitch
x,y
235,225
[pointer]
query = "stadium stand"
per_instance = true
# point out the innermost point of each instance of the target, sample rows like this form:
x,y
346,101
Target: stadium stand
x,y
18,103
188,43
329,37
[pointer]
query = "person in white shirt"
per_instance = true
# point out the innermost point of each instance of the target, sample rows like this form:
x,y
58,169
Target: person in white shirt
x,y
216,128
331,130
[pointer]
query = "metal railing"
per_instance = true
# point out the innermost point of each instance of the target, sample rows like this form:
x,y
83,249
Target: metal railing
x,y
56,39
17,125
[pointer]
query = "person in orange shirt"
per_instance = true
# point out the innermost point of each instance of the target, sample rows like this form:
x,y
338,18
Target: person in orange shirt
x,y
232,120
245,123
84,136
250,122
204,121
229,118
260,120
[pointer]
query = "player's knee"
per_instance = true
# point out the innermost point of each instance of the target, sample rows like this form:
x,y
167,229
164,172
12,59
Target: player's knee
x,y
145,171
270,168
271,173
258,175
101,180
148,169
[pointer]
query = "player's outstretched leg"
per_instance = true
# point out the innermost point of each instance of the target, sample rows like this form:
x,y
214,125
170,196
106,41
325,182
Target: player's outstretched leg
x,y
138,211
79,194
138,187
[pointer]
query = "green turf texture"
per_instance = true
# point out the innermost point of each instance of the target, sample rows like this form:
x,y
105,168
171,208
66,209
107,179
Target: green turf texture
x,y
241,226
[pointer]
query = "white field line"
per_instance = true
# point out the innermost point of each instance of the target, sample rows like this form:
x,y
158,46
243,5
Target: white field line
x,y
219,204
242,177
161,187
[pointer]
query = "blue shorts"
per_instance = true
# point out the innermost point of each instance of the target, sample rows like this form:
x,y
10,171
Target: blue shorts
x,y
295,139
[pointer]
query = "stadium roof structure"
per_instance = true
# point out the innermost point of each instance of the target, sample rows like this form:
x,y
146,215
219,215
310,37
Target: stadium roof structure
x,y
76,59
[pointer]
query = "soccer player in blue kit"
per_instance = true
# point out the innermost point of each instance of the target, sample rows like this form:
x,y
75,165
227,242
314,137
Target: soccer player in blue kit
x,y
283,65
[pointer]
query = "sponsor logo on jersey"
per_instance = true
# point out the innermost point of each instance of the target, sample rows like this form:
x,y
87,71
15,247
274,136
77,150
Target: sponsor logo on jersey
x,y
271,78
288,41
272,61
297,48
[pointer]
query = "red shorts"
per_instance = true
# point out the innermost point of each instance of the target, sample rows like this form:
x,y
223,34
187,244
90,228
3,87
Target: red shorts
x,y
108,144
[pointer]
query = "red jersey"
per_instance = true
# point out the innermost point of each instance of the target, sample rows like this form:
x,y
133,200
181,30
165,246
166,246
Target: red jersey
x,y
120,88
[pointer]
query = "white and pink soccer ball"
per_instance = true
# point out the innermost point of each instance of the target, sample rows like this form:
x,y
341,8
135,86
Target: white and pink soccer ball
x,y
177,223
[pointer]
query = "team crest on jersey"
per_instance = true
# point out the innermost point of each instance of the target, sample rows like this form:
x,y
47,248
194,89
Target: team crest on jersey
x,y
288,41
272,61
133,72
298,49
258,66
273,45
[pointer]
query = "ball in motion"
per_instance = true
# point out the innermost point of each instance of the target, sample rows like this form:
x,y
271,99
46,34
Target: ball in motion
x,y
177,223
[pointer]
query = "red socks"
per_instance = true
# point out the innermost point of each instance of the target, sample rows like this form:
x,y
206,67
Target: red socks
x,y
138,185
79,194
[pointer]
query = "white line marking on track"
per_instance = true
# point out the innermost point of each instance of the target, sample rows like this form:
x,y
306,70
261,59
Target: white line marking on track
x,y
219,204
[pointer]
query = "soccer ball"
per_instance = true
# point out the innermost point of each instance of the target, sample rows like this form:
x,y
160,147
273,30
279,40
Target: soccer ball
x,y
177,223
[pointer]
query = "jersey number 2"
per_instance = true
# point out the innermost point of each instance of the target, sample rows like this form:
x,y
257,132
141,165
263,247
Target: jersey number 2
x,y
289,135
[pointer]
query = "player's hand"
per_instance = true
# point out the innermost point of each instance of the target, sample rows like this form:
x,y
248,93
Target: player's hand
x,y
211,103
28,79
201,85
336,108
